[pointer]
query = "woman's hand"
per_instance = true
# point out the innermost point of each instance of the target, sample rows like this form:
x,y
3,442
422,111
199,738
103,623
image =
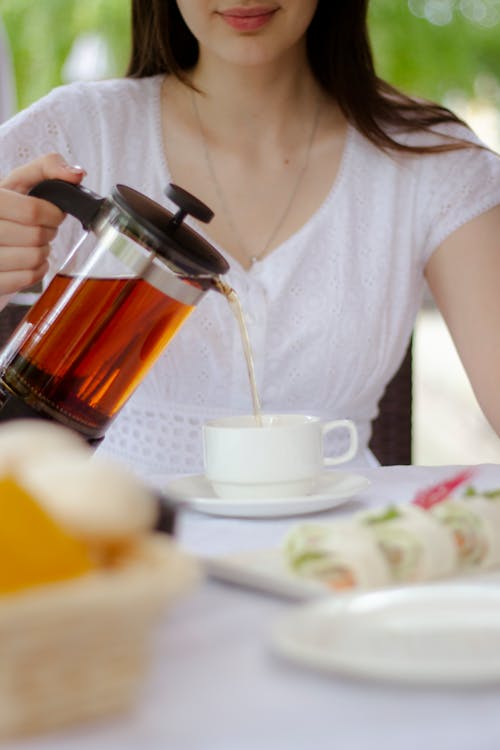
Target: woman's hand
x,y
28,225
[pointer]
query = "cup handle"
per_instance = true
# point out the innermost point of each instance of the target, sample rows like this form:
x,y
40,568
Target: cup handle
x,y
353,434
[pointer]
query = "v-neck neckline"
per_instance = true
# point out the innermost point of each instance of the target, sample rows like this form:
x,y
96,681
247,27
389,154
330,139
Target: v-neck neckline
x,y
296,236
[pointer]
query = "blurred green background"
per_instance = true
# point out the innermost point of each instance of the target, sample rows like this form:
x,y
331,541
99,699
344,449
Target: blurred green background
x,y
447,50
41,34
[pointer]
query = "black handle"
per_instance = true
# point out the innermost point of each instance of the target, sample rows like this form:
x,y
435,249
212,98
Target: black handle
x,y
188,204
72,199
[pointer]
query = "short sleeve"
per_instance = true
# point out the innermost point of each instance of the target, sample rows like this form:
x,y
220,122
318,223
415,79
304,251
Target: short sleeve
x,y
40,129
46,126
456,186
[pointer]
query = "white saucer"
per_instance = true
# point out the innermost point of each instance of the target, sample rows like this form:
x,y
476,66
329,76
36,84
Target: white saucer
x,y
334,488
438,634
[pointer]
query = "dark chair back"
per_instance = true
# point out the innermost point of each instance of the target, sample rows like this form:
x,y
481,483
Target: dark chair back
x,y
391,440
10,316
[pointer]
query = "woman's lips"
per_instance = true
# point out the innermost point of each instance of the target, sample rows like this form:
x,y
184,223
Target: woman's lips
x,y
248,19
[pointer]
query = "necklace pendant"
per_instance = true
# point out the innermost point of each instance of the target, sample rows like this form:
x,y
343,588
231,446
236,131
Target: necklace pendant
x,y
253,259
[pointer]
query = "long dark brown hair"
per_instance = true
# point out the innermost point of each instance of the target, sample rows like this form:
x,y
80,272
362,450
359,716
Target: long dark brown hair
x,y
340,57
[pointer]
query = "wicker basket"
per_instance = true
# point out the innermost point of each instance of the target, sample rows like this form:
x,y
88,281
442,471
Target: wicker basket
x,y
78,650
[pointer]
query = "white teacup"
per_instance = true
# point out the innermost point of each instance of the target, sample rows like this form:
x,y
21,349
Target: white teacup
x,y
282,457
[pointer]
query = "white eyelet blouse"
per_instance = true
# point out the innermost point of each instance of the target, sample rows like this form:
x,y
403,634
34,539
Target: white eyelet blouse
x,y
330,311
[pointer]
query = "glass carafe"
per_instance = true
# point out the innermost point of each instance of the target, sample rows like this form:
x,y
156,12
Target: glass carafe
x,y
106,316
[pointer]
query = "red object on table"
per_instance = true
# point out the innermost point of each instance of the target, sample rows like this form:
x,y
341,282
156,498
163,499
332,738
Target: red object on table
x,y
439,492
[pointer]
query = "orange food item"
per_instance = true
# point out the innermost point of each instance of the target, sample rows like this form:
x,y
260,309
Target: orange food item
x,y
34,549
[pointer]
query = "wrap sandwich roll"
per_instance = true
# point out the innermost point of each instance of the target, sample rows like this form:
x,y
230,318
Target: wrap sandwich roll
x,y
475,524
342,555
414,544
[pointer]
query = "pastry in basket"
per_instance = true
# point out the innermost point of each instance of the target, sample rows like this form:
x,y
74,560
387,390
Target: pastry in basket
x,y
25,440
94,499
34,549
83,580
342,555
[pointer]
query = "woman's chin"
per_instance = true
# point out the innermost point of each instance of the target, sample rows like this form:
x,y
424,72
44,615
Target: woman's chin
x,y
253,53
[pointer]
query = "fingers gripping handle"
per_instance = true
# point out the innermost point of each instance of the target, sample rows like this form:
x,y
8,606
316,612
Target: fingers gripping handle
x,y
345,424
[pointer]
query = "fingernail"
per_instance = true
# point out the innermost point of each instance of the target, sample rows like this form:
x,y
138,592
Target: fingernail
x,y
75,168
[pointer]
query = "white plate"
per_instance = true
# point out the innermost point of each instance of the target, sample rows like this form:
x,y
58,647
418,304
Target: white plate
x,y
334,488
264,570
267,570
439,634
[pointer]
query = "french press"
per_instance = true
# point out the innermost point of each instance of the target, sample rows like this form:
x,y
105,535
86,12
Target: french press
x,y
122,294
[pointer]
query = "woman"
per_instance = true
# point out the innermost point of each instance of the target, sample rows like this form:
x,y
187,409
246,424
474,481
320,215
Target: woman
x,y
335,197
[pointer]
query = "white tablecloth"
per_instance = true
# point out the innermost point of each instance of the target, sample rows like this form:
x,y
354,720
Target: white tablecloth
x,y
215,683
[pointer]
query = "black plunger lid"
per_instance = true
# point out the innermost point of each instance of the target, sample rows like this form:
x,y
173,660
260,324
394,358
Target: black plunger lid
x,y
178,243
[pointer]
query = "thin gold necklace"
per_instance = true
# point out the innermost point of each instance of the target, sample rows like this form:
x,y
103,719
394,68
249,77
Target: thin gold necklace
x,y
253,257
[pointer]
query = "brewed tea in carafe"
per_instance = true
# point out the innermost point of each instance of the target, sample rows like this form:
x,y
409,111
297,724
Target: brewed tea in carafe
x,y
105,318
